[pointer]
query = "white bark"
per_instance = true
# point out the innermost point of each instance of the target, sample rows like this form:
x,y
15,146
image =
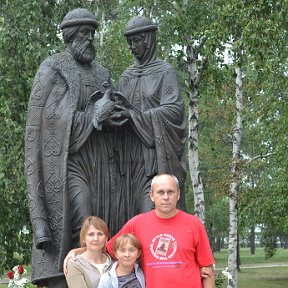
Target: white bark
x,y
233,224
102,28
193,152
259,157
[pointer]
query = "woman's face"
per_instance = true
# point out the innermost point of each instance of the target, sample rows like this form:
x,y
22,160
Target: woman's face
x,y
95,239
137,45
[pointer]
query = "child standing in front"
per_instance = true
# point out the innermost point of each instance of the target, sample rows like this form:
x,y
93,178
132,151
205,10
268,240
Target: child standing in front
x,y
125,272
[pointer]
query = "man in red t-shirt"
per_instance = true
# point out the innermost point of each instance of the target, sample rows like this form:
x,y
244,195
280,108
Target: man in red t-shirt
x,y
175,246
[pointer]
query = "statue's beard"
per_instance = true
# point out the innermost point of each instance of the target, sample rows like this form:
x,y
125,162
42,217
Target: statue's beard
x,y
83,52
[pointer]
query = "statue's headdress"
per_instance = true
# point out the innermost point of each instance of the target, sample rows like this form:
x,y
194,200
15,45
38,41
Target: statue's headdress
x,y
139,24
79,16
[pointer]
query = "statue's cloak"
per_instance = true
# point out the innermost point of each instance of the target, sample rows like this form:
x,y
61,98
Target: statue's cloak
x,y
52,106
159,121
153,142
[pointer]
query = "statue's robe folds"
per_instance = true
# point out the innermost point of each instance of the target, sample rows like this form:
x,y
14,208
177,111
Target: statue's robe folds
x,y
70,167
153,141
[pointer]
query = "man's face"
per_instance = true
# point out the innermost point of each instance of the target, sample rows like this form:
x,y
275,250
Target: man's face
x,y
136,45
82,47
165,196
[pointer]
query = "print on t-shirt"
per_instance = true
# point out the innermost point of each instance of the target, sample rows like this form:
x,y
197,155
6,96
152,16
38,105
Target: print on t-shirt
x,y
163,246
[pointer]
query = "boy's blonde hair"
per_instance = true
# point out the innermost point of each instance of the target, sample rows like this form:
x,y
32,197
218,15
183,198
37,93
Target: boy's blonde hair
x,y
124,238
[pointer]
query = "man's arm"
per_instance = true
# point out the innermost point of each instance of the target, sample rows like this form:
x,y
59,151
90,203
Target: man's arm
x,y
208,276
72,256
127,228
205,258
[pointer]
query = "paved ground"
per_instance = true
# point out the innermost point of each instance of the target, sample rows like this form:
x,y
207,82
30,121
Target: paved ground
x,y
264,265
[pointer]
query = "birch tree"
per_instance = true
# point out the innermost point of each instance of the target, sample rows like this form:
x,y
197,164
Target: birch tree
x,y
195,74
252,28
194,41
234,187
192,21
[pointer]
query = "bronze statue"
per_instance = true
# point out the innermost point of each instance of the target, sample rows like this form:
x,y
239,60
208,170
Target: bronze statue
x,y
70,167
90,150
152,141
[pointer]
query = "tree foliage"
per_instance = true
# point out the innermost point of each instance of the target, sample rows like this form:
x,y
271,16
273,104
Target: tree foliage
x,y
29,32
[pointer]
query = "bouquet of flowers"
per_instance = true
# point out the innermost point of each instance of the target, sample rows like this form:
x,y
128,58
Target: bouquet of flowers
x,y
16,277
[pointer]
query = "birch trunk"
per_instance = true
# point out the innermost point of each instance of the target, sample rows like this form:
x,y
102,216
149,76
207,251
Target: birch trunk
x,y
233,224
193,152
102,28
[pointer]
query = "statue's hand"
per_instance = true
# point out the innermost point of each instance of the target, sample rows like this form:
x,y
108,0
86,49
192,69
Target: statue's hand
x,y
122,111
119,117
103,109
115,120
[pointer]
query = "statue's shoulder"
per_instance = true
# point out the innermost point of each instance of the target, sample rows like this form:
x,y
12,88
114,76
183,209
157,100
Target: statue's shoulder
x,y
59,61
51,71
165,66
157,68
165,69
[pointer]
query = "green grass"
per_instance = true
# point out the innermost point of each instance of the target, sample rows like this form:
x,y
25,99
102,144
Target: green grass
x,y
267,277
247,259
276,277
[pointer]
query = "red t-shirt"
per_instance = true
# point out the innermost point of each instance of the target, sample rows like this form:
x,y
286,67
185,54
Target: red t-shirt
x,y
173,249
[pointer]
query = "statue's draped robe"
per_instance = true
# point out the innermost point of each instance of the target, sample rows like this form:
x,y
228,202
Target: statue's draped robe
x,y
153,141
70,167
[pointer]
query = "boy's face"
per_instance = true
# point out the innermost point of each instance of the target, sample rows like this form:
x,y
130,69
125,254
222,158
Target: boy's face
x,y
127,254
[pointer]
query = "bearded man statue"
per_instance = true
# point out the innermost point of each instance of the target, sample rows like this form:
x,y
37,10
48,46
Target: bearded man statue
x,y
71,170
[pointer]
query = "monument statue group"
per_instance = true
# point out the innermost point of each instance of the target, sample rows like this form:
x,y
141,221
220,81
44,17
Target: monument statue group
x,y
91,149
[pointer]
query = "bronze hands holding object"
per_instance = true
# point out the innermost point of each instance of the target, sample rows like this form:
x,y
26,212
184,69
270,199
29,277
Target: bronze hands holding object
x,y
111,110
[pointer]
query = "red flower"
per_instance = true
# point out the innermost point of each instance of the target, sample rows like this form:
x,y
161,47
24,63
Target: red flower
x,y
10,275
20,269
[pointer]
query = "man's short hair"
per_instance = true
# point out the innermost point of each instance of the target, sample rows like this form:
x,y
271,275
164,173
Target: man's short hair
x,y
171,175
